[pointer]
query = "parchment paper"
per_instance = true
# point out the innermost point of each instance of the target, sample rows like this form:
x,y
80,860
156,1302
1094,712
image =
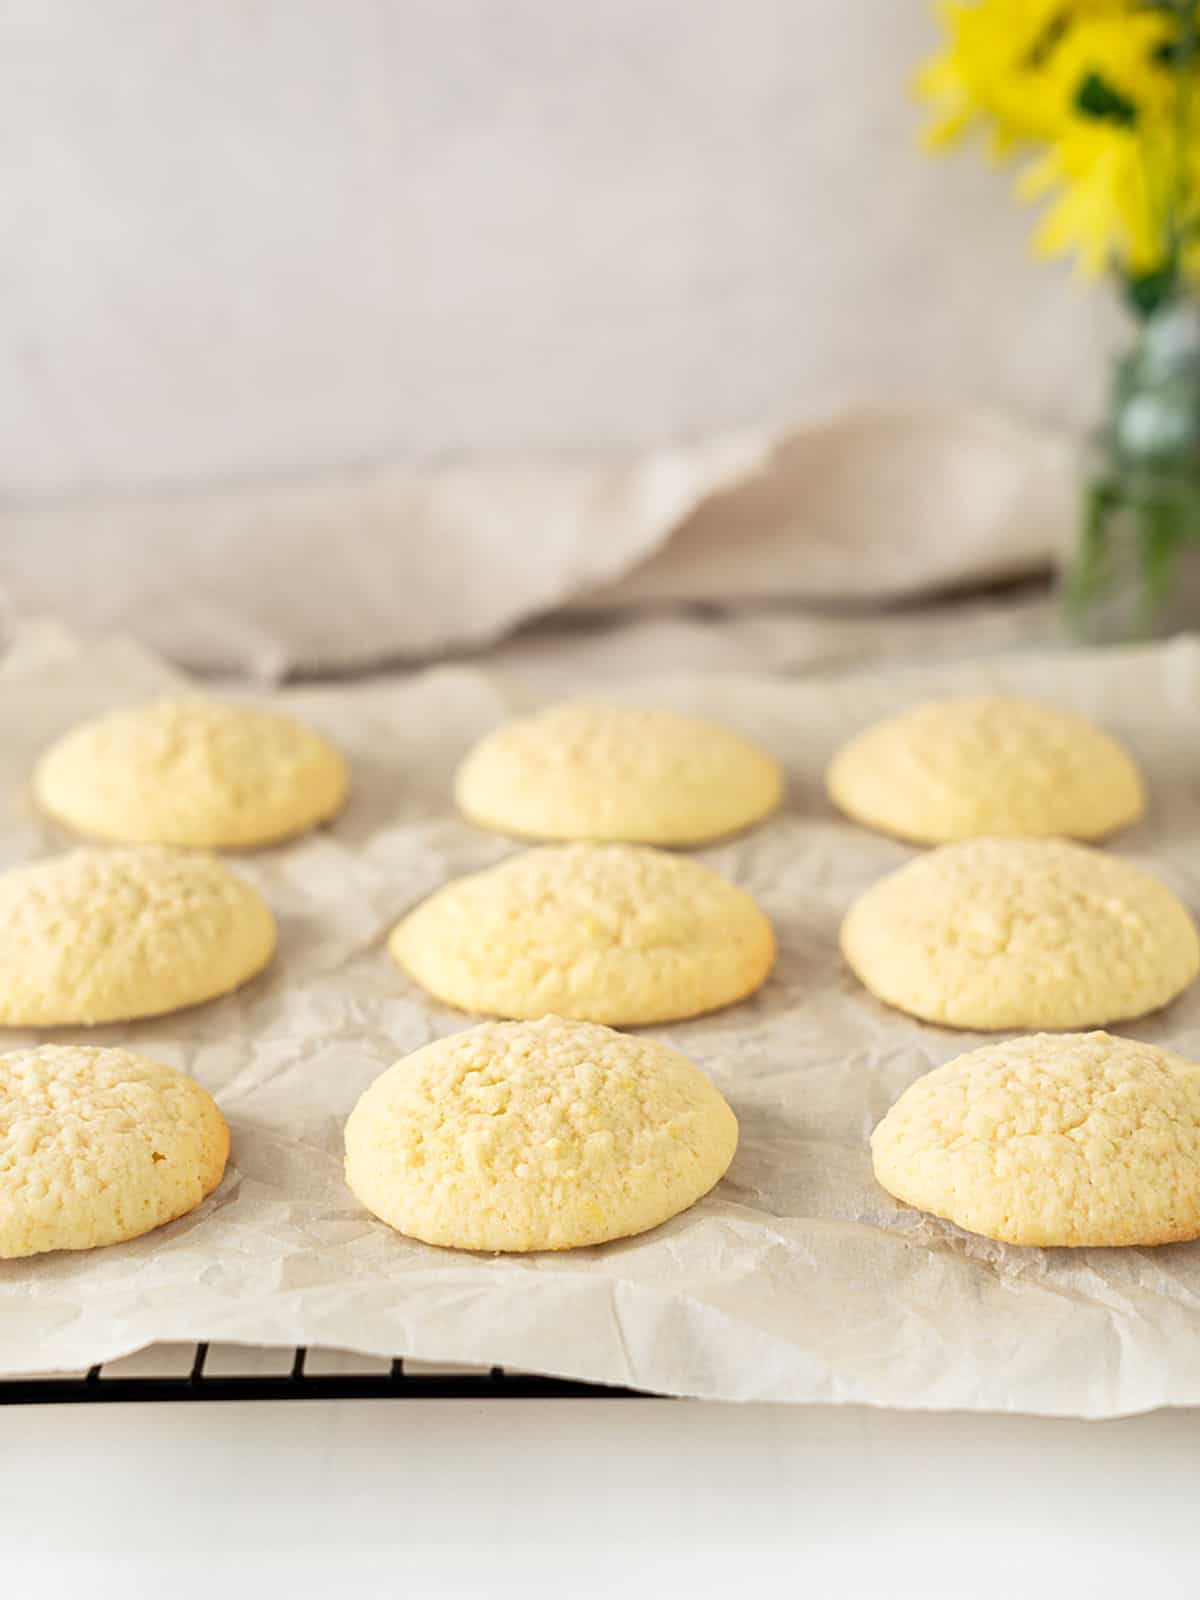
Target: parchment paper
x,y
797,1279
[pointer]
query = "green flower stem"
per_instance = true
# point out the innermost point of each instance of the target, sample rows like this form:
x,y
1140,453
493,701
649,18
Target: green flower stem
x,y
1090,569
1160,528
1150,523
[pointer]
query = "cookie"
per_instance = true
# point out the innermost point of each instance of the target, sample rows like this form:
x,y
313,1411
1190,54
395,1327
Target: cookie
x,y
542,1135
600,933
1021,933
1058,1139
97,1146
991,766
605,772
191,772
105,935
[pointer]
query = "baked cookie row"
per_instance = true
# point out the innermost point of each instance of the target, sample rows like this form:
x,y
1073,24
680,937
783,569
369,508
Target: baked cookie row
x,y
197,773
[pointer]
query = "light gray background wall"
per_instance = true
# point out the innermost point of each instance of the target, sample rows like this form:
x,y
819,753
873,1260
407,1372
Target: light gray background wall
x,y
243,236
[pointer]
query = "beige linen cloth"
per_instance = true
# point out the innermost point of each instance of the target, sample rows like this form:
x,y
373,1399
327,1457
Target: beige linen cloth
x,y
783,534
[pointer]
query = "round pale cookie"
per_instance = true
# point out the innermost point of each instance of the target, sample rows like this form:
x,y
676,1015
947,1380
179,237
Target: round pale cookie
x,y
1075,1139
988,766
97,1146
105,935
1021,933
191,772
584,771
537,1136
602,933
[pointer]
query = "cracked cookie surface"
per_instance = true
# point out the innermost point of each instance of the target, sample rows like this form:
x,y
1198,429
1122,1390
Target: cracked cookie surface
x,y
986,766
191,772
1056,1139
106,935
606,772
1021,933
98,1146
619,934
547,1135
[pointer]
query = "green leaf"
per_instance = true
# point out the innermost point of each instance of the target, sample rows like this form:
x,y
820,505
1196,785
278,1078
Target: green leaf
x,y
1152,290
1097,98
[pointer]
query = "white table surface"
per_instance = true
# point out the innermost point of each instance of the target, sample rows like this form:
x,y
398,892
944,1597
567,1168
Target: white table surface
x,y
579,1498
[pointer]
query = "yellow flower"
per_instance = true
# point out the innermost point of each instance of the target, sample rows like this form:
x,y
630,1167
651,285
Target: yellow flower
x,y
990,70
1107,207
1121,48
1091,82
1113,178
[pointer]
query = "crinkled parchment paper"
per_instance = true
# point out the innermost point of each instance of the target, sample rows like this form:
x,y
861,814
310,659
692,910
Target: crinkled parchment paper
x,y
797,1279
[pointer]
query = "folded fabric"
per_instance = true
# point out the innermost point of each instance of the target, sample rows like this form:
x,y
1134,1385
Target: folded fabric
x,y
872,505
391,563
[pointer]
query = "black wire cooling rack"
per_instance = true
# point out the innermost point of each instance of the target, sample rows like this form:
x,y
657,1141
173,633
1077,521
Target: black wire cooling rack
x,y
394,1382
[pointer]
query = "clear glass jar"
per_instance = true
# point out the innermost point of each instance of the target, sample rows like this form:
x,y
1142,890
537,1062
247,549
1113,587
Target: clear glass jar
x,y
1135,573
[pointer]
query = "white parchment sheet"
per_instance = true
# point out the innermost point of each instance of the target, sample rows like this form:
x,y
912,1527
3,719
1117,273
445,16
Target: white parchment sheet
x,y
797,1279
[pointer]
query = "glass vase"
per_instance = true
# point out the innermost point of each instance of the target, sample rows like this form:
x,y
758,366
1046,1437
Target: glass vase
x,y
1135,571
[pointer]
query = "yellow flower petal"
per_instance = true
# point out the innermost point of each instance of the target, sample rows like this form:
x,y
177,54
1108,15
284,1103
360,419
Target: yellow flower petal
x,y
1016,67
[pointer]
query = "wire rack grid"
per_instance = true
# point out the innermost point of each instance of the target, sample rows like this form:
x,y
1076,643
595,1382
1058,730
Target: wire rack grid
x,y
190,1374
